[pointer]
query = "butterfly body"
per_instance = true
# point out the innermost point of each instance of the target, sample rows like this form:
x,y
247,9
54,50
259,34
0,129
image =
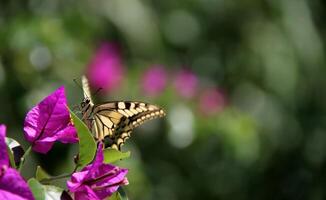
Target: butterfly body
x,y
113,122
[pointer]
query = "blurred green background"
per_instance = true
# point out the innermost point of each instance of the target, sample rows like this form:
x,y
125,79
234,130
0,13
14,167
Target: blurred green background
x,y
253,126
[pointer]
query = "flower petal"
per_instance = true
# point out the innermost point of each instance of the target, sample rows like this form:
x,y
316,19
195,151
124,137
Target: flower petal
x,y
8,195
154,80
99,179
86,193
106,69
42,146
68,135
4,159
212,101
118,178
76,180
47,119
112,184
12,185
186,83
87,172
98,161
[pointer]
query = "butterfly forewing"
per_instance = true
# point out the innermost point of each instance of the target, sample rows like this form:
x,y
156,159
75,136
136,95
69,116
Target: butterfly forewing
x,y
114,121
86,89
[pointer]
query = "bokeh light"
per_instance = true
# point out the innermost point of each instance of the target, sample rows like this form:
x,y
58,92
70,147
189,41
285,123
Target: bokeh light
x,y
105,69
154,80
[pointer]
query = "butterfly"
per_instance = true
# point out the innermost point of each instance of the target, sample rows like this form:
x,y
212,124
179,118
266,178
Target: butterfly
x,y
112,122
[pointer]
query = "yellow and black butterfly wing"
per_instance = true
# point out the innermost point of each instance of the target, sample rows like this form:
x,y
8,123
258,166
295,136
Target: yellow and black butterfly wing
x,y
113,122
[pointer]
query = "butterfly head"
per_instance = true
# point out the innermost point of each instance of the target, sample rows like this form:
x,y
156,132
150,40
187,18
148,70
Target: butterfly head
x,y
85,103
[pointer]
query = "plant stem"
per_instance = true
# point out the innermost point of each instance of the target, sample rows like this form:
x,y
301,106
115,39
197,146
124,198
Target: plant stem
x,y
75,169
22,159
53,178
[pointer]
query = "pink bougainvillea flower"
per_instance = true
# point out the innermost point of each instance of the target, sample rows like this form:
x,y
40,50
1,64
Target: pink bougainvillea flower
x,y
154,80
12,185
4,160
106,69
49,121
97,180
186,83
212,101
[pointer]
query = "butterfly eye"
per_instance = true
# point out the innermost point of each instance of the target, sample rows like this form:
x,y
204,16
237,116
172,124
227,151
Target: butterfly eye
x,y
82,104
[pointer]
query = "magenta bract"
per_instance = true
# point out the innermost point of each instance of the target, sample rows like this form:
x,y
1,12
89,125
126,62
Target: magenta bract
x,y
186,83
212,101
106,69
49,121
12,185
154,80
4,159
97,180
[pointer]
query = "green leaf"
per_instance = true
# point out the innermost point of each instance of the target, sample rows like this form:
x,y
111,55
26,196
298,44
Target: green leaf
x,y
115,196
113,155
37,189
41,174
87,144
11,143
47,192
122,193
11,157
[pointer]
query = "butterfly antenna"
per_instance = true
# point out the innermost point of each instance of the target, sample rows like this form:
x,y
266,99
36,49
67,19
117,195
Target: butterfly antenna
x,y
97,91
75,80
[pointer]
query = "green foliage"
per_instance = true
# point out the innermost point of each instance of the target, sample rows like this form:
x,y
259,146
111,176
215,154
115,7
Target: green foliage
x,y
119,195
87,144
122,193
115,196
42,192
9,142
37,189
41,174
113,155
